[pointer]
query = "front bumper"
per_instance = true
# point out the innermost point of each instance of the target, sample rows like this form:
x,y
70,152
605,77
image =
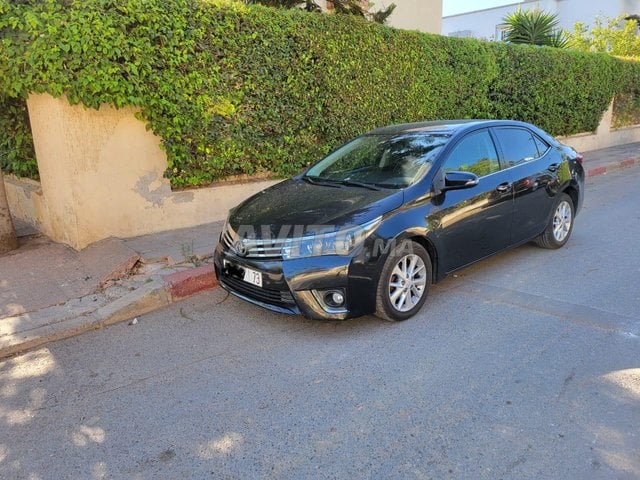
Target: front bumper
x,y
288,285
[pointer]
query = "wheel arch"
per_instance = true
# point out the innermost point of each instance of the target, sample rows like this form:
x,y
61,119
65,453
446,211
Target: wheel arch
x,y
429,247
573,193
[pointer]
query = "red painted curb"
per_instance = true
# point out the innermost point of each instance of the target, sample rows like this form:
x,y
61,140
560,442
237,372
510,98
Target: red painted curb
x,y
596,171
189,282
627,162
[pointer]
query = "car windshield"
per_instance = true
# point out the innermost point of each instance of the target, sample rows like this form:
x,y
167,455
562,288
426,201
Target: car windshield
x,y
388,161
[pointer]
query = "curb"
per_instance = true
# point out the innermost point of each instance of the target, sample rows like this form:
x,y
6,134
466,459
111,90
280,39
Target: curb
x,y
602,170
189,282
150,297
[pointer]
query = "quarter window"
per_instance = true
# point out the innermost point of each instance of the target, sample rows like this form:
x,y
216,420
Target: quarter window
x,y
475,153
541,144
518,145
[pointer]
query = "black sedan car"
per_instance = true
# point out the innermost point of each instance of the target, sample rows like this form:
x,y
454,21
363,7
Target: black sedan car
x,y
372,225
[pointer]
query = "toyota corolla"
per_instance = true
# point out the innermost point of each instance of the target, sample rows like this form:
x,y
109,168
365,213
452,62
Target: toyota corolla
x,y
370,227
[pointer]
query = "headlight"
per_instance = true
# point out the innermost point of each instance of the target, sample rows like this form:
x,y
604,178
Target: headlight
x,y
341,242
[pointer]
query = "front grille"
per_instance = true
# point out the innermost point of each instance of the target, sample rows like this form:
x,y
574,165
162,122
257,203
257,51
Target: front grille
x,y
280,298
253,248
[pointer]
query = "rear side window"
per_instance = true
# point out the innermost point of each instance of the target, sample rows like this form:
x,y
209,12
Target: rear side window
x,y
475,153
518,145
541,144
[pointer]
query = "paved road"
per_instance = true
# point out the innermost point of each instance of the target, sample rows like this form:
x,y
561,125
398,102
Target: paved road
x,y
524,366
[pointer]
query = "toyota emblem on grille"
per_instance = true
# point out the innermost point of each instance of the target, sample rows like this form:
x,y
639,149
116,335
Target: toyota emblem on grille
x,y
240,248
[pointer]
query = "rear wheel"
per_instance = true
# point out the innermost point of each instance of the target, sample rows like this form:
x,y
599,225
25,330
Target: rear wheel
x,y
560,226
404,282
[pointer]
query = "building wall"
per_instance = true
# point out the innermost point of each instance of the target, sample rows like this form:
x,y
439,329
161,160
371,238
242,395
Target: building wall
x,y
422,15
485,23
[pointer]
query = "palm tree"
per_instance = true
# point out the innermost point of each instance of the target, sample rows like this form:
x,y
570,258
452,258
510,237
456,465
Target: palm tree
x,y
534,27
8,240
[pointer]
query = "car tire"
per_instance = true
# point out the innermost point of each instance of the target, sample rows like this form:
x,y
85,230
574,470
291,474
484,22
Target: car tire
x,y
560,224
404,282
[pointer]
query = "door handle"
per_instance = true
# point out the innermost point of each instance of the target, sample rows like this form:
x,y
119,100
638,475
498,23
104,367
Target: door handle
x,y
553,167
503,187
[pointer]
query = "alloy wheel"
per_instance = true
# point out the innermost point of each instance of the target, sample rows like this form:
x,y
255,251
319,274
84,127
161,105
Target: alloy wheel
x,y
562,221
407,282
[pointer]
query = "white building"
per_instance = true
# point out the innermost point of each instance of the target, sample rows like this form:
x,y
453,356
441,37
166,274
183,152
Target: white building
x,y
488,23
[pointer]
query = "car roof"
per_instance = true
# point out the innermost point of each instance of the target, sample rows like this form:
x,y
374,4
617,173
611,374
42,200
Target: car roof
x,y
441,126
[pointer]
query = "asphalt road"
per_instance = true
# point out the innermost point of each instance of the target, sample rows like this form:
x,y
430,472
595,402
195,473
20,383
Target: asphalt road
x,y
526,365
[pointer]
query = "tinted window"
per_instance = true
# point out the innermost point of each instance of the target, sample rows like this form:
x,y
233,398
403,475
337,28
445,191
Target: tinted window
x,y
541,144
475,153
518,145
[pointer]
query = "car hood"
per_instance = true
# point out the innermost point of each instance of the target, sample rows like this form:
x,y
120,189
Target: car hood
x,y
299,204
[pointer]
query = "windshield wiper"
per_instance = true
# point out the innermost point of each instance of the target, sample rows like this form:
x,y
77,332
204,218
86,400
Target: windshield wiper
x,y
353,183
334,182
320,181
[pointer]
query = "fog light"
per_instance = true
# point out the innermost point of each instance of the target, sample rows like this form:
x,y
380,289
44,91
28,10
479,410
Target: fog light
x,y
334,298
337,298
332,301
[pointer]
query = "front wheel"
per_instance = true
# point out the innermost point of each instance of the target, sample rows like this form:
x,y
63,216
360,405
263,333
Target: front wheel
x,y
404,282
560,226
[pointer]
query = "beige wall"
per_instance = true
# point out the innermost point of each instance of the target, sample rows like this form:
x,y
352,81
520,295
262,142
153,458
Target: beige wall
x,y
102,175
422,15
26,201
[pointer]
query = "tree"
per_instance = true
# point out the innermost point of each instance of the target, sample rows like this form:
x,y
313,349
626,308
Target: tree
x,y
617,36
534,27
8,240
347,7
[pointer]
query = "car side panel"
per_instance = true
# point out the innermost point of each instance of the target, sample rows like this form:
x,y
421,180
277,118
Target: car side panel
x,y
535,185
470,224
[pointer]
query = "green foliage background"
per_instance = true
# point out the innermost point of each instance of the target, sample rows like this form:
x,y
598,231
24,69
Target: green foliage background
x,y
235,89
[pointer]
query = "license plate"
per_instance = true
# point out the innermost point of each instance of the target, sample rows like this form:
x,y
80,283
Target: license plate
x,y
253,277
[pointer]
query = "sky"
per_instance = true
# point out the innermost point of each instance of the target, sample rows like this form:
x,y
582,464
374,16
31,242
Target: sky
x,y
452,7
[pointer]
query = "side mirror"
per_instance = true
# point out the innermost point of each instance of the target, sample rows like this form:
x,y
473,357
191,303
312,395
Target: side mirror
x,y
460,180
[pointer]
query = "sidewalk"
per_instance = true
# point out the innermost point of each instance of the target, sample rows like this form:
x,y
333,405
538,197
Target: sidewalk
x,y
49,291
598,162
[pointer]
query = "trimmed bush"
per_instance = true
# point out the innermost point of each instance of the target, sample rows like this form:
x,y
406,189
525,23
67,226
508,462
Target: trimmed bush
x,y
561,91
17,155
626,106
233,89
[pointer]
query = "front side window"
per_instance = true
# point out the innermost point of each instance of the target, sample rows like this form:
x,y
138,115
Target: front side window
x,y
518,145
475,153
385,160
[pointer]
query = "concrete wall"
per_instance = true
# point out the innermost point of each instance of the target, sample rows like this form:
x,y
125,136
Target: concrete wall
x,y
26,201
102,176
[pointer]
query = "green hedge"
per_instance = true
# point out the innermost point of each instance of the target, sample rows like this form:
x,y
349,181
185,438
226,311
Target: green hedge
x,y
233,89
626,107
